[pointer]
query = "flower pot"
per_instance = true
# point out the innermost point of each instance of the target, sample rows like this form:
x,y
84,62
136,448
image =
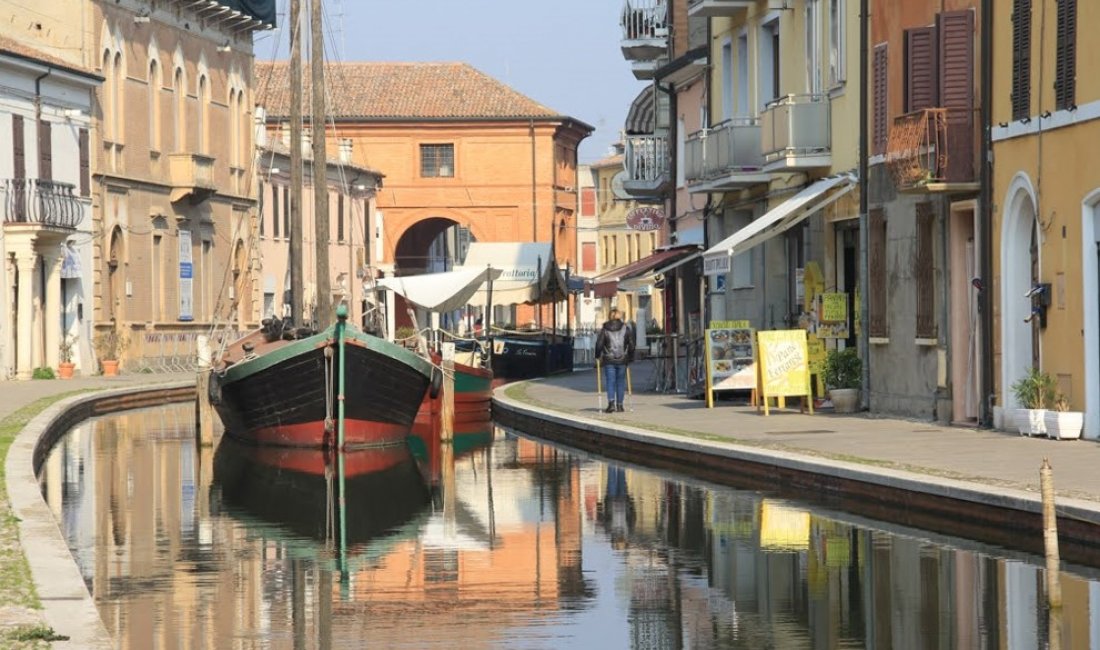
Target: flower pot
x,y
110,367
1029,422
845,400
1064,425
65,369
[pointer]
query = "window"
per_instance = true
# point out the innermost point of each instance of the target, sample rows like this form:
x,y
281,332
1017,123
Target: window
x,y
638,245
836,42
768,74
652,241
234,130
181,111
727,79
274,213
588,257
925,272
286,212
742,75
85,163
154,106
157,281
1021,59
681,145
1065,72
813,46
588,201
877,299
45,150
260,208
879,99
204,109
921,69
437,160
339,217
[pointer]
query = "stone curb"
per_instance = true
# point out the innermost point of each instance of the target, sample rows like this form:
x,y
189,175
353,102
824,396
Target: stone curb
x,y
67,606
966,491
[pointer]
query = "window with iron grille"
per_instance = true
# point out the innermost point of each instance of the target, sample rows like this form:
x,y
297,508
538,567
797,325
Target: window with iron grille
x,y
1021,59
1065,76
925,272
878,326
437,160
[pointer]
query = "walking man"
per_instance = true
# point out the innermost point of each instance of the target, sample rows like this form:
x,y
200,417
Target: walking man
x,y
615,349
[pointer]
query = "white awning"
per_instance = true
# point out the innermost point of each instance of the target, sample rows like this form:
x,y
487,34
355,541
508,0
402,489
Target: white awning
x,y
787,214
70,265
441,292
529,274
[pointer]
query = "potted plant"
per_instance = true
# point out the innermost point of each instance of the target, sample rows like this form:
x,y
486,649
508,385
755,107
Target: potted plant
x,y
843,374
1062,423
65,365
109,345
1034,392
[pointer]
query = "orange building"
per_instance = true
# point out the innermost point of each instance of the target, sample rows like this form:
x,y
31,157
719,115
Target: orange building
x,y
465,158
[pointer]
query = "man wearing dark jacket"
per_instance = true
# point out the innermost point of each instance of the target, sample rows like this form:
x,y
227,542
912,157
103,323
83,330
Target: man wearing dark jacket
x,y
615,350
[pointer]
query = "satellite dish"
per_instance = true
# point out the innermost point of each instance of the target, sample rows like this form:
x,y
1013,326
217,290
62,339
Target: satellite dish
x,y
617,189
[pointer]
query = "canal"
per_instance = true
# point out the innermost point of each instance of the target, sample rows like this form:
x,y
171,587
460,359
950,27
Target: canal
x,y
522,545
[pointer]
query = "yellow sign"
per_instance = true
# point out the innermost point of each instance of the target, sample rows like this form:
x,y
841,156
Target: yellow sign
x,y
729,325
834,307
784,366
731,356
815,347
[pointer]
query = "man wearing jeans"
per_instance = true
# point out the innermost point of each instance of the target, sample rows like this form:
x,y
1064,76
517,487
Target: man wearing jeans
x,y
615,350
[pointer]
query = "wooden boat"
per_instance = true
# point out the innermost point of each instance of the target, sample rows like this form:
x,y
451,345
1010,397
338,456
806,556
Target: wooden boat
x,y
522,355
339,388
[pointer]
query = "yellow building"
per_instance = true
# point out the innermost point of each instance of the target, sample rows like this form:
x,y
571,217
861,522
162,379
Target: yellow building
x,y
1046,195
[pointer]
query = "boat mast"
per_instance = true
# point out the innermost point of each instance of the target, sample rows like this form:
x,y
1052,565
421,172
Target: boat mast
x,y
320,164
297,284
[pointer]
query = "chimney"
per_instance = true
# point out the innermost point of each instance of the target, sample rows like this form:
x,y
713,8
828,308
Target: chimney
x,y
345,150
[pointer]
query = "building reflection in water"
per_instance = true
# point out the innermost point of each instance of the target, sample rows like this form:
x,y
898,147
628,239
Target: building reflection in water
x,y
502,541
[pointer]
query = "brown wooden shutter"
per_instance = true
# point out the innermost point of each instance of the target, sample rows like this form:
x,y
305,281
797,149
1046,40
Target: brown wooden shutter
x,y
275,211
19,146
286,212
956,35
1021,59
922,69
924,271
588,201
85,163
260,209
1065,82
877,306
45,150
880,118
339,217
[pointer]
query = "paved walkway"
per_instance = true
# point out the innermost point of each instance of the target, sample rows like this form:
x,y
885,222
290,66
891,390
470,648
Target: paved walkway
x,y
14,395
985,457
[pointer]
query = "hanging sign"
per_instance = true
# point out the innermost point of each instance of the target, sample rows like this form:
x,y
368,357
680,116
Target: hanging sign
x,y
784,366
834,316
731,359
187,274
645,217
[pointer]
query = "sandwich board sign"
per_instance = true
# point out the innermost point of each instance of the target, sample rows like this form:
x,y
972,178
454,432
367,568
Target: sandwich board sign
x,y
784,363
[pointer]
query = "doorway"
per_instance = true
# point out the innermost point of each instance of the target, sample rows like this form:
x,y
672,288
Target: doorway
x,y
1019,263
1090,285
847,273
965,344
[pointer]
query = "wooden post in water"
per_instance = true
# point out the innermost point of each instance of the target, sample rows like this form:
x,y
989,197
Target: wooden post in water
x,y
204,410
447,428
1050,535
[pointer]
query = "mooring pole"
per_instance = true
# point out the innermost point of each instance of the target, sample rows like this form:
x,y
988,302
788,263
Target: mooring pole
x,y
447,430
1050,535
204,410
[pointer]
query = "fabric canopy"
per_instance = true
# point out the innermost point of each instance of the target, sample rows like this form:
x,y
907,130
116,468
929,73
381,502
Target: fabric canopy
x,y
607,283
529,273
778,220
441,292
70,266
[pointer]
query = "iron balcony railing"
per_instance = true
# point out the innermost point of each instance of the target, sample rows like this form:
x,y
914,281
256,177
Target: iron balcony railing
x,y
645,28
726,148
916,152
646,158
48,203
795,125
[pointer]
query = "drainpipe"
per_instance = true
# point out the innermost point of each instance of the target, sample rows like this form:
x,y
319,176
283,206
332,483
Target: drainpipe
x,y
864,231
985,220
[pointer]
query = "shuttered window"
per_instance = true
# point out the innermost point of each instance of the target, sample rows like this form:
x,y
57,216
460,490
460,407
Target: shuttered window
x,y
1065,75
19,147
339,217
877,262
925,273
921,69
879,100
956,41
45,150
260,209
588,256
1021,59
85,164
286,212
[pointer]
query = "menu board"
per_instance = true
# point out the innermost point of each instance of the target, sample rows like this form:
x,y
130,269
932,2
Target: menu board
x,y
731,359
784,366
833,323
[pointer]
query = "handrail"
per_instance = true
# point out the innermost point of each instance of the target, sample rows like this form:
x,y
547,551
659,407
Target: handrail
x,y
46,202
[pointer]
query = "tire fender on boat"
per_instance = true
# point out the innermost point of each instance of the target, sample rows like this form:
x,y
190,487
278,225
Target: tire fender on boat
x,y
214,389
437,383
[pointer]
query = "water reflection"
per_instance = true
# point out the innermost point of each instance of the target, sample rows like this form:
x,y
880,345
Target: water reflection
x,y
508,543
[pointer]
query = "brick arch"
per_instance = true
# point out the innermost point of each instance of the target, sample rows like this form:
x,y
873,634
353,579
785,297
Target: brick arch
x,y
436,221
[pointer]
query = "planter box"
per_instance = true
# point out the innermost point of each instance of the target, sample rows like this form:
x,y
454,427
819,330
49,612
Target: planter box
x,y
1029,422
845,400
1064,425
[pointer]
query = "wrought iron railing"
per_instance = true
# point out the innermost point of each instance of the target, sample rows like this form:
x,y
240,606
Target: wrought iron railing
x,y
49,203
916,151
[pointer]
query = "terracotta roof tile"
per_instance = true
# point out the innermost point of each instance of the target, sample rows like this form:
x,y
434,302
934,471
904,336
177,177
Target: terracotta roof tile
x,y
24,51
369,90
609,161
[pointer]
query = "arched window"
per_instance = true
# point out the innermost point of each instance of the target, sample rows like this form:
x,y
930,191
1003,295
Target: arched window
x,y
154,105
234,127
108,94
117,108
181,111
204,104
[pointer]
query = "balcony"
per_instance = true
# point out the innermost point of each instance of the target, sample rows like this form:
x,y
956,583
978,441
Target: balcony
x,y
795,133
647,70
646,160
645,29
726,157
43,203
931,150
191,176
717,8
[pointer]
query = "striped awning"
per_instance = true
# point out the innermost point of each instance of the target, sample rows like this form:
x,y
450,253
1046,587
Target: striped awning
x,y
642,117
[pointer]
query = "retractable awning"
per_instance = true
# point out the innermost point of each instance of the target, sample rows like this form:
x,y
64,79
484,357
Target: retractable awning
x,y
606,284
530,274
441,292
787,214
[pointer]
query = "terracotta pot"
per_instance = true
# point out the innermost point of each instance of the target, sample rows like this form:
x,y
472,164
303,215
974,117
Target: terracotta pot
x,y
65,370
110,367
845,400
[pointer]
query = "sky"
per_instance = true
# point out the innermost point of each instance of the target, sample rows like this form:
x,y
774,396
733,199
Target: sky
x,y
563,54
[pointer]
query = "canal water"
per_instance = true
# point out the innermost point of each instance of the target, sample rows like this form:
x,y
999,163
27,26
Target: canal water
x,y
522,545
